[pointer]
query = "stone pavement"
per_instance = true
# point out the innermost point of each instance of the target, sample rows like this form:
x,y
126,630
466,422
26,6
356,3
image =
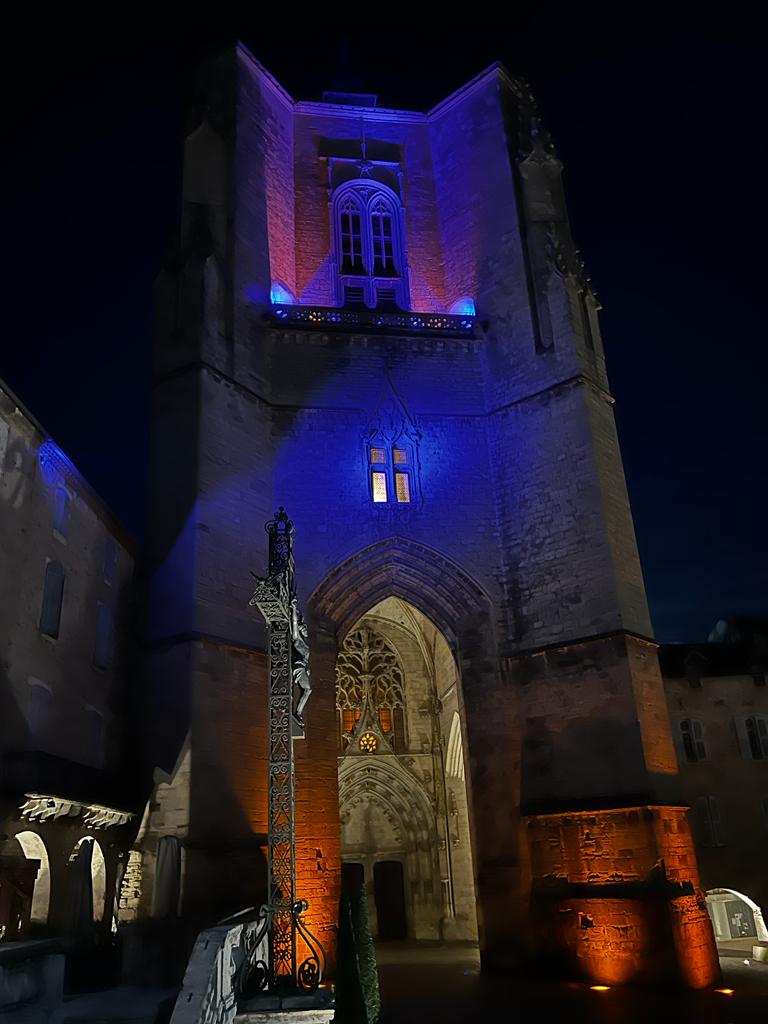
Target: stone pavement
x,y
443,986
125,1004
429,983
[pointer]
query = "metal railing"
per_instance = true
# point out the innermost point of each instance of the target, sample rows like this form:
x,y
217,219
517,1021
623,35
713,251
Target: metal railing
x,y
364,319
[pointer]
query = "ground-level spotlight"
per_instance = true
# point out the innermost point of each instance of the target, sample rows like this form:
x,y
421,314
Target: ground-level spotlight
x,y
600,988
725,991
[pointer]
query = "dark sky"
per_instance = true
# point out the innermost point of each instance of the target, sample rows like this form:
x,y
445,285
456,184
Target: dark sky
x,y
659,122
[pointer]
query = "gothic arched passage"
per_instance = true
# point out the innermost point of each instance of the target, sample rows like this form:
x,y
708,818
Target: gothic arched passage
x,y
404,813
449,614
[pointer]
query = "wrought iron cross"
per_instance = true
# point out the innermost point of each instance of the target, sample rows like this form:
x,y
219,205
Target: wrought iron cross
x,y
288,647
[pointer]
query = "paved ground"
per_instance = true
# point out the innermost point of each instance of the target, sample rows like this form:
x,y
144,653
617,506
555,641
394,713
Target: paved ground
x,y
432,984
417,988
124,1004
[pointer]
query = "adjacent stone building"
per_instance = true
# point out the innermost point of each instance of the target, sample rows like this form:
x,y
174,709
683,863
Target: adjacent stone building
x,y
66,569
718,707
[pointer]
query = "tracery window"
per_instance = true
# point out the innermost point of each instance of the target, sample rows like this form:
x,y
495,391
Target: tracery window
x,y
369,261
369,692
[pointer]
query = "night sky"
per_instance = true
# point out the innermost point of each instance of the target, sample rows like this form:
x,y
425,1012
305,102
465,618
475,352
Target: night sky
x,y
660,125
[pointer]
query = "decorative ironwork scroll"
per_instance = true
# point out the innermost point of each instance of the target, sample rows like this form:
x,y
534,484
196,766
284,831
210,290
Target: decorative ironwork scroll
x,y
288,647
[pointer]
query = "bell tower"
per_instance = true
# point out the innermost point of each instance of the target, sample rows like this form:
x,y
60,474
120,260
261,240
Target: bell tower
x,y
378,319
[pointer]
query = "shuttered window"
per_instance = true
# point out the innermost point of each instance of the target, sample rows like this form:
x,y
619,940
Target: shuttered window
x,y
752,734
692,738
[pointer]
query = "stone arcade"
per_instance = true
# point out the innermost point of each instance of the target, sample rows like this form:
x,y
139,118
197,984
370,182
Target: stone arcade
x,y
378,319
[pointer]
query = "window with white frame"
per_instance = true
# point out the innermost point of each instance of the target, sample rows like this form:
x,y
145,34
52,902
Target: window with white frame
x,y
369,258
391,473
752,733
692,739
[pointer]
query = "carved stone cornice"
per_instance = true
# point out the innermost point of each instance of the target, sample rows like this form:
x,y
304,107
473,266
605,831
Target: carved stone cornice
x,y
48,807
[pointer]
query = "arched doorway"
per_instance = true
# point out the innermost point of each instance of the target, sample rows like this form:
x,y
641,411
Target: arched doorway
x,y
25,885
402,793
34,848
735,917
87,884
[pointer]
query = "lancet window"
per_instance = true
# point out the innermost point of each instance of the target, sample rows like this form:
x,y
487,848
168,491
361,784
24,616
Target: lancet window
x,y
391,472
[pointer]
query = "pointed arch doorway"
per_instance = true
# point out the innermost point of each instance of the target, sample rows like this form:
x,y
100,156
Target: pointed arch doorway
x,y
402,794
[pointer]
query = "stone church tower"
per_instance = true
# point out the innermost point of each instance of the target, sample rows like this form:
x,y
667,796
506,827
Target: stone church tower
x,y
378,319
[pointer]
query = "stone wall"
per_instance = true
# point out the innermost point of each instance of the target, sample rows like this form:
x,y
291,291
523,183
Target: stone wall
x,y
64,729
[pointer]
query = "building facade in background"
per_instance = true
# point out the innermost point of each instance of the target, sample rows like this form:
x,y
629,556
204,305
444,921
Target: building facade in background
x,y
66,569
718,707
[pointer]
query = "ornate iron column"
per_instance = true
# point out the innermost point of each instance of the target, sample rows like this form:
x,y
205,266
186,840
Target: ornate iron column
x,y
288,667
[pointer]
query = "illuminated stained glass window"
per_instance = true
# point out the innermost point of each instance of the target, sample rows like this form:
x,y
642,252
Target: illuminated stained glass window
x,y
391,470
368,743
369,690
379,486
349,717
402,487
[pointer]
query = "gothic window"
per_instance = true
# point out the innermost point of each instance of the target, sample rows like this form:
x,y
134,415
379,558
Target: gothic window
x,y
692,737
369,260
351,214
381,236
391,473
53,594
369,693
454,757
